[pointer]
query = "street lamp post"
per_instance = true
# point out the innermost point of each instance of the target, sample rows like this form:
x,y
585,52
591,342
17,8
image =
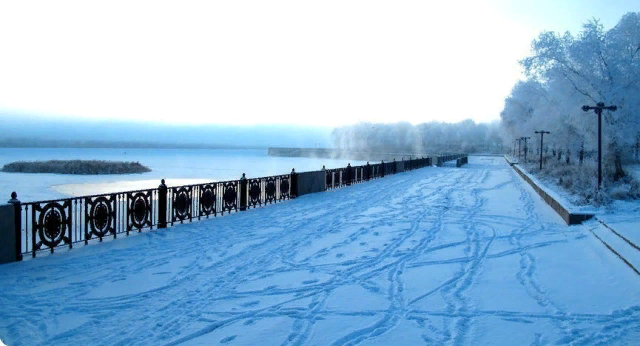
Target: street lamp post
x,y
541,142
598,110
525,147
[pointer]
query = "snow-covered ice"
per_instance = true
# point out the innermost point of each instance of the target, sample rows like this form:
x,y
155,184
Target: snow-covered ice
x,y
454,256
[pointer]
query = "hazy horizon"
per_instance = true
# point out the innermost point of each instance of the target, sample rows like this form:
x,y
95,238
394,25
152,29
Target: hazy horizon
x,y
21,126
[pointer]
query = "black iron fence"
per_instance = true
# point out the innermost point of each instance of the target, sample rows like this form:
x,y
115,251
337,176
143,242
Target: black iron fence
x,y
340,177
48,225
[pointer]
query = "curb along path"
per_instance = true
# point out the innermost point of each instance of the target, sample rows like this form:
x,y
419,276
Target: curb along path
x,y
622,247
619,245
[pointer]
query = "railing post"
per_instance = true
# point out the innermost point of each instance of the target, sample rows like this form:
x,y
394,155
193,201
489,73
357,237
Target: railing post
x,y
17,225
294,184
162,205
243,192
368,171
382,169
326,183
348,177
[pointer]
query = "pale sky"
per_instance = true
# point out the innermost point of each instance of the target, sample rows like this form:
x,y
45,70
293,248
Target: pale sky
x,y
312,63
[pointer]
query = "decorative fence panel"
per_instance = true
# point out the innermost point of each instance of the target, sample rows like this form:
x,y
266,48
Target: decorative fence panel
x,y
49,225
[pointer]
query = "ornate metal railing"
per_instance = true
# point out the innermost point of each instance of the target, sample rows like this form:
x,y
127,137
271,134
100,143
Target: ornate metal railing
x,y
48,225
336,178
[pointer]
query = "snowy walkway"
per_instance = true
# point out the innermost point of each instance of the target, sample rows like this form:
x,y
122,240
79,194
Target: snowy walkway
x,y
466,256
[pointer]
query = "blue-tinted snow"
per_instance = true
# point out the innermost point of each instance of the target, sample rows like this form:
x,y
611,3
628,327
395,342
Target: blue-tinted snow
x,y
453,256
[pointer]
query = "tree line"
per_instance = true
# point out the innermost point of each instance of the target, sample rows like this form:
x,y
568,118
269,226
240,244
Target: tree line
x,y
431,137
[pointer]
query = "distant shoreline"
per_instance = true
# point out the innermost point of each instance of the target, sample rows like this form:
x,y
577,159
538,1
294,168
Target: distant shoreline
x,y
26,143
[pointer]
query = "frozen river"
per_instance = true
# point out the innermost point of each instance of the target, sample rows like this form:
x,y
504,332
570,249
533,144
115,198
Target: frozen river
x,y
177,166
436,256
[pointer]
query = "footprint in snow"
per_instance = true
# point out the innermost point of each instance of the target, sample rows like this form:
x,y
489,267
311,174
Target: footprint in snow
x,y
248,304
363,243
310,282
517,320
228,339
340,255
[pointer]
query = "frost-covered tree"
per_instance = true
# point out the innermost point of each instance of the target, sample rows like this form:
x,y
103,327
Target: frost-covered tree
x,y
565,72
431,137
594,66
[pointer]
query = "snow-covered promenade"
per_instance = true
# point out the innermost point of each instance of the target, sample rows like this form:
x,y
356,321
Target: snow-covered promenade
x,y
451,256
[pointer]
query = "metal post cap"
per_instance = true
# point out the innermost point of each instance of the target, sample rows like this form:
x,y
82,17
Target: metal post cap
x,y
14,198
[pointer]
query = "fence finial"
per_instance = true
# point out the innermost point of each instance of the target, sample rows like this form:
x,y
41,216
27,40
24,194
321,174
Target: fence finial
x,y
14,198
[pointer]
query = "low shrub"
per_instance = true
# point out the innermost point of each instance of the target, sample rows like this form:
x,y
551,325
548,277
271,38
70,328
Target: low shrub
x,y
581,181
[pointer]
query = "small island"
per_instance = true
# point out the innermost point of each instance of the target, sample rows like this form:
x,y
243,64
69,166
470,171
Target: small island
x,y
95,167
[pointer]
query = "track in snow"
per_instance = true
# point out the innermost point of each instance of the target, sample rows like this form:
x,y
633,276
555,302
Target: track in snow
x,y
449,256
